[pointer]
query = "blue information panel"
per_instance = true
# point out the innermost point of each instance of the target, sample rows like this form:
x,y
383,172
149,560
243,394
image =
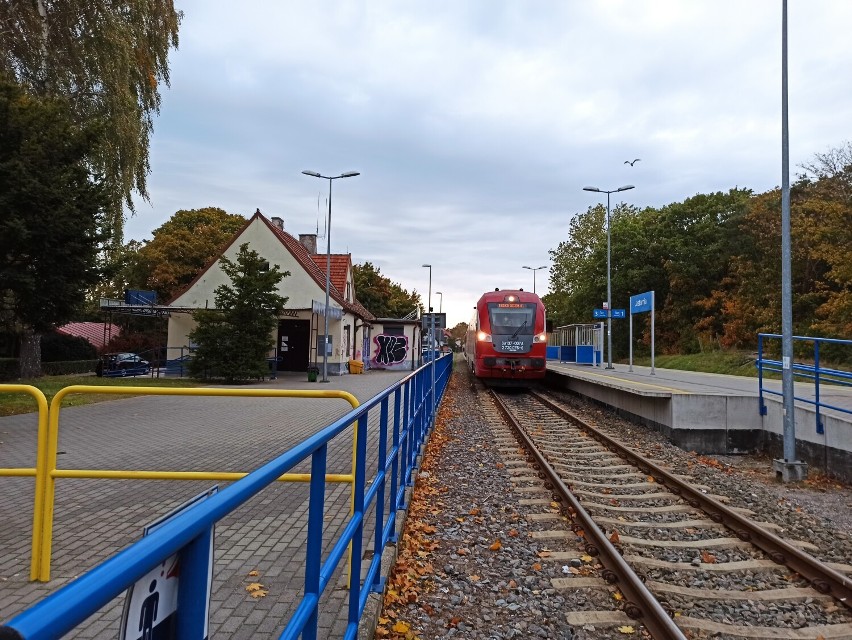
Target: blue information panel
x,y
619,313
642,302
599,313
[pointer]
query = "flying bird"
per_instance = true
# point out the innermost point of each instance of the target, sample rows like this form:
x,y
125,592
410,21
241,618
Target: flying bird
x,y
633,162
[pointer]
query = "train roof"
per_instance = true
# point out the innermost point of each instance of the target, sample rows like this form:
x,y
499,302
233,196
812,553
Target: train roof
x,y
498,295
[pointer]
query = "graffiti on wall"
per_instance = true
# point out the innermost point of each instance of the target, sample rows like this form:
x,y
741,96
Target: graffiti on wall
x,y
390,350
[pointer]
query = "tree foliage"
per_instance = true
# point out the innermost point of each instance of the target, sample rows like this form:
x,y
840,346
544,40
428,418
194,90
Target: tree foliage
x,y
714,263
179,250
51,228
234,340
383,298
107,58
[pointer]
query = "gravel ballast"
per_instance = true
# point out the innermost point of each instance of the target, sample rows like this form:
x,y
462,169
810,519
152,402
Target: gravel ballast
x,y
476,559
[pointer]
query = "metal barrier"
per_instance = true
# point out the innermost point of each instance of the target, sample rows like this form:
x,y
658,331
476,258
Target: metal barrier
x,y
816,373
402,431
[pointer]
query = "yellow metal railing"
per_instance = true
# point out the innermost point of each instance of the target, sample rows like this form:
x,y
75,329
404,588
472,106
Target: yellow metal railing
x,y
46,472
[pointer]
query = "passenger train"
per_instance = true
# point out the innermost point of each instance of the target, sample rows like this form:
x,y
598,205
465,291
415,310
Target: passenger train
x,y
506,341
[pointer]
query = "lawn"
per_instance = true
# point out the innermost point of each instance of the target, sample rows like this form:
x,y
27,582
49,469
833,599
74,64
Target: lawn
x,y
16,403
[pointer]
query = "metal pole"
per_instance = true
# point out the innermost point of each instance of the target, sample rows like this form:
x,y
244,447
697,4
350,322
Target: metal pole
x,y
631,339
786,275
653,311
327,287
608,291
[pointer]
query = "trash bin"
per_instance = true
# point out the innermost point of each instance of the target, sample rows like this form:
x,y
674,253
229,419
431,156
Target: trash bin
x,y
313,372
356,366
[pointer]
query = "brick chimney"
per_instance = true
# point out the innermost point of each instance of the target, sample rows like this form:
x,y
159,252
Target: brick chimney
x,y
309,241
278,222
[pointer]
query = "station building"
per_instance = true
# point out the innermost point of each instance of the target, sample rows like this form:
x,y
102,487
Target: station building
x,y
354,334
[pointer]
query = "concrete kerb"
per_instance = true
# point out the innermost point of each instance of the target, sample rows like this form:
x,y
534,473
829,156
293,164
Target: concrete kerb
x,y
373,609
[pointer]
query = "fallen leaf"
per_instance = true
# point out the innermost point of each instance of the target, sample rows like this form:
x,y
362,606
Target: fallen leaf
x,y
586,558
254,586
496,545
626,629
259,593
474,512
401,627
543,554
617,596
513,533
650,479
462,552
254,572
614,537
536,566
708,557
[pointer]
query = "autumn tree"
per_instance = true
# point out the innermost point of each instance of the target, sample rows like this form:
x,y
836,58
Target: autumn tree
x,y
51,227
179,249
234,339
108,59
383,298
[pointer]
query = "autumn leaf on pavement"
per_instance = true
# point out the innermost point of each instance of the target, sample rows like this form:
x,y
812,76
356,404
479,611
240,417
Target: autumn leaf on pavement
x,y
256,590
626,629
254,572
496,545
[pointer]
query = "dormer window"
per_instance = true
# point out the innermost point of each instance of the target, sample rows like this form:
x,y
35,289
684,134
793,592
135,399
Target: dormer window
x,y
349,292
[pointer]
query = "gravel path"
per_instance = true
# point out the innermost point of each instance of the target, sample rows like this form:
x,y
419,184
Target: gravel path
x,y
472,564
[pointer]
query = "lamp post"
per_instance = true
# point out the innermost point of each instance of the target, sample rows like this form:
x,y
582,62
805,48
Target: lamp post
x,y
534,269
440,301
348,174
608,272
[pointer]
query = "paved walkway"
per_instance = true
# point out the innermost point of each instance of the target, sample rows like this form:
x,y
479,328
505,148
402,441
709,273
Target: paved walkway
x,y
96,518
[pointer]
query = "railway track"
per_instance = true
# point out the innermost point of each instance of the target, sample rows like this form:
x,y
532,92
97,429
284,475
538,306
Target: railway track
x,y
653,550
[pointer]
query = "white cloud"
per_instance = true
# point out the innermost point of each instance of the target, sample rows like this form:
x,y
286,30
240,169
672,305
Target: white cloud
x,y
475,125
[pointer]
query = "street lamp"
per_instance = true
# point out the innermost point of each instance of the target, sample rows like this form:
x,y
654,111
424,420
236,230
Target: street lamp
x,y
608,276
348,174
440,301
534,269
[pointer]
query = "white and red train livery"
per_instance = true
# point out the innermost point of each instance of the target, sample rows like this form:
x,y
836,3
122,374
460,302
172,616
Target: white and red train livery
x,y
506,339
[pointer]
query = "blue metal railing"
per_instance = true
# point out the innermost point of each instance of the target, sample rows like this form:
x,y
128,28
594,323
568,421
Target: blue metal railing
x,y
816,373
406,411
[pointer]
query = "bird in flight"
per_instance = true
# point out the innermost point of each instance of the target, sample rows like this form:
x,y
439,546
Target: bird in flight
x,y
631,163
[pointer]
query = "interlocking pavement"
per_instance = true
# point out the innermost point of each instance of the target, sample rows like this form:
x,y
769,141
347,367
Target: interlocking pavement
x,y
96,518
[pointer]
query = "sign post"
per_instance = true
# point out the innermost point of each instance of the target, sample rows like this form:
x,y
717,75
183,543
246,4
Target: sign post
x,y
640,303
152,603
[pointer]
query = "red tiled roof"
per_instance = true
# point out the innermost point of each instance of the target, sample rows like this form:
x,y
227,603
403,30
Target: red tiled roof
x,y
97,333
313,264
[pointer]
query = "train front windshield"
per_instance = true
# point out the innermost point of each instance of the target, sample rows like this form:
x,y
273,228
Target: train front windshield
x,y
509,318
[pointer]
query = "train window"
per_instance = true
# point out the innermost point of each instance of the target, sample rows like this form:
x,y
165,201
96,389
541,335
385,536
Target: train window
x,y
509,320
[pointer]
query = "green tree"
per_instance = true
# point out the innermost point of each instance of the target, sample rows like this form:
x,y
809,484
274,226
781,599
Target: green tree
x,y
234,340
108,58
180,248
51,228
383,298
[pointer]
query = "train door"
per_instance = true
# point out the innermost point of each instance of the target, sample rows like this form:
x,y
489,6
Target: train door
x,y
293,344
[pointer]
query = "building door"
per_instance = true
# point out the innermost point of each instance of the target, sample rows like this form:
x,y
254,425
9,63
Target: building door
x,y
293,344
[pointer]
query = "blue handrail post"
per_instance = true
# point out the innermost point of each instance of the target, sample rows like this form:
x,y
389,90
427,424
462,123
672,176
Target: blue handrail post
x,y
194,587
763,410
313,552
378,547
358,516
819,426
394,498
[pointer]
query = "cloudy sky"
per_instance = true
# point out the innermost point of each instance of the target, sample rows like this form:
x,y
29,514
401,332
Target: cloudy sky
x,y
476,124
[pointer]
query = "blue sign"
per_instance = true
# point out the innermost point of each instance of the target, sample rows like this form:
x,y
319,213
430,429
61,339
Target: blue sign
x,y
642,302
619,313
599,313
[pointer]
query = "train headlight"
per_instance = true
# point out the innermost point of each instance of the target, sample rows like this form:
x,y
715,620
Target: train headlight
x,y
483,337
542,337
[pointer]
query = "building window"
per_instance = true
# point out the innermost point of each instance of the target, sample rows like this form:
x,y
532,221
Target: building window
x,y
393,330
349,292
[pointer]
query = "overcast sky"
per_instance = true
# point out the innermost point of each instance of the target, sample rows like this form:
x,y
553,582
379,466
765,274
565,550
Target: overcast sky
x,y
476,124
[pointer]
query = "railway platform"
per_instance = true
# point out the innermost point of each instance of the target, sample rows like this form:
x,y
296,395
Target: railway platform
x,y
261,543
718,414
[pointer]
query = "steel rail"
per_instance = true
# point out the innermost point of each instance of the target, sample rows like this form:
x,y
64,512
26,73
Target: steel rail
x,y
640,604
821,577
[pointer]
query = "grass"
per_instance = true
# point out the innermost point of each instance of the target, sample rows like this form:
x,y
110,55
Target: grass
x,y
735,363
18,403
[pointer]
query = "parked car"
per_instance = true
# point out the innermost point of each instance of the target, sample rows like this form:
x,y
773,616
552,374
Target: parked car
x,y
113,365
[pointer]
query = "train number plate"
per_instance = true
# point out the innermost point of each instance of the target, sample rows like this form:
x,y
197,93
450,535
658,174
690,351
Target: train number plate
x,y
512,345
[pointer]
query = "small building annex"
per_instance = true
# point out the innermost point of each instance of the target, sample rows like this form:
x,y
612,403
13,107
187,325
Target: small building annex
x,y
354,333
